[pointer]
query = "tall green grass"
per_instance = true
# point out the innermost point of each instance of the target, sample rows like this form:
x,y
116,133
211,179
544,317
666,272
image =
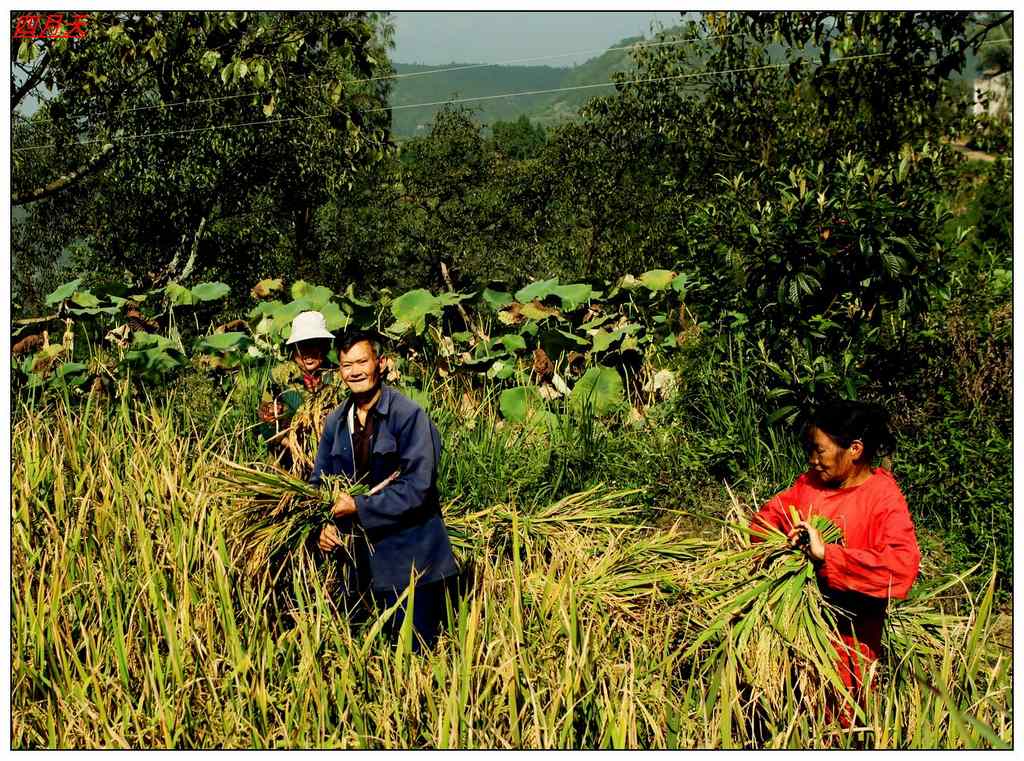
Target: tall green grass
x,y
131,627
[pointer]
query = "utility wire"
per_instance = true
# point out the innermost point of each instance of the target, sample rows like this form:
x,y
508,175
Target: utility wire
x,y
695,75
429,72
636,46
610,84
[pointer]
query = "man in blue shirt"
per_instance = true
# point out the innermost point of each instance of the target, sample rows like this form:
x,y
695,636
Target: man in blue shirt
x,y
380,437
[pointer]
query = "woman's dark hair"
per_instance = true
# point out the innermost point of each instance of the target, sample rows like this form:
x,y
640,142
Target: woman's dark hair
x,y
352,337
846,421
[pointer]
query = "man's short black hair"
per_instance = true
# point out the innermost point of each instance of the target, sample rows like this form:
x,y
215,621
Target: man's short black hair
x,y
352,337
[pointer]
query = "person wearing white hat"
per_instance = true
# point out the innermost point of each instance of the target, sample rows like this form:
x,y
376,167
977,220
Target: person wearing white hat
x,y
293,382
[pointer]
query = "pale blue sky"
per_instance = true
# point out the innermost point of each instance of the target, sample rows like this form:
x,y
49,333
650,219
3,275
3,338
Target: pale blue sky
x,y
443,37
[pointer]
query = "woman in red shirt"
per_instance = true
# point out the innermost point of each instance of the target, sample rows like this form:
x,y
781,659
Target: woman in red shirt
x,y
878,557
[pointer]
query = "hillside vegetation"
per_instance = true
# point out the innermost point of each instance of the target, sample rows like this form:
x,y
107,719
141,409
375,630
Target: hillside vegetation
x,y
548,109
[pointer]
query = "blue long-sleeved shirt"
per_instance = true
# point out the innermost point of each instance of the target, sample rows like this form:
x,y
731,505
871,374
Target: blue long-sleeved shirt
x,y
403,521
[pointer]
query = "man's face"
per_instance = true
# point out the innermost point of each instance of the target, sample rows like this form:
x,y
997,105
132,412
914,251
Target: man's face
x,y
360,368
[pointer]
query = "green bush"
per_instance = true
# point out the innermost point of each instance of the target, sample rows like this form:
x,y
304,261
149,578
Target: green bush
x,y
957,475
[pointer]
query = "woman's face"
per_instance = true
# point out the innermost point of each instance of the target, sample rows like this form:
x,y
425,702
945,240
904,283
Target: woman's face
x,y
309,355
831,463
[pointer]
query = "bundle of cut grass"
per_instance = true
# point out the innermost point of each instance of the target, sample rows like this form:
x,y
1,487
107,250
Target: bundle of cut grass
x,y
763,630
621,572
303,433
272,512
595,509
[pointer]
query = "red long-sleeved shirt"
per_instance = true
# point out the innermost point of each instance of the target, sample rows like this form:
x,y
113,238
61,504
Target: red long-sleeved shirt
x,y
878,558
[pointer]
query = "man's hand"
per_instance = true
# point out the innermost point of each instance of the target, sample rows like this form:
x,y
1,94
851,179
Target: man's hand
x,y
330,538
807,537
343,505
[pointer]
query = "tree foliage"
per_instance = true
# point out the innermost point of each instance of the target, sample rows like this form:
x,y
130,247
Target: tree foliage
x,y
234,125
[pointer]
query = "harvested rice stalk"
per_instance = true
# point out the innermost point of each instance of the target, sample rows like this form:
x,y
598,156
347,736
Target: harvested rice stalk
x,y
595,509
303,433
622,572
272,512
765,627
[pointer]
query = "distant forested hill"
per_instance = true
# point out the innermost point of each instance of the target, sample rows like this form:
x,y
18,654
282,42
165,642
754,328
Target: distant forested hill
x,y
547,108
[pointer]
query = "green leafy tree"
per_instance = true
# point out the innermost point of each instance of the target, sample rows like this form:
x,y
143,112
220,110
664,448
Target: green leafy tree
x,y
521,139
808,194
217,134
461,205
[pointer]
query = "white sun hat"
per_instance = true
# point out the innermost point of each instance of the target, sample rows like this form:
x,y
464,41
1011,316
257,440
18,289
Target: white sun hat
x,y
308,326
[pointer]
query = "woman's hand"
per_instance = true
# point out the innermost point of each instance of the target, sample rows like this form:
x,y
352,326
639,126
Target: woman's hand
x,y
270,411
813,547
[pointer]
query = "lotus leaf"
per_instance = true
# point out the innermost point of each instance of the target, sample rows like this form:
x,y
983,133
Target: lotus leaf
x,y
179,295
537,311
225,341
336,319
600,388
317,296
604,339
70,368
350,297
151,340
211,291
63,292
573,295
159,360
539,290
412,308
573,338
599,320
96,310
480,361
501,370
556,342
398,328
85,299
497,299
511,316
657,280
632,343
511,341
266,309
518,403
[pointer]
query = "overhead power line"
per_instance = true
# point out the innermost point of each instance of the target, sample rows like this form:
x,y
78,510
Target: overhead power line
x,y
635,46
444,70
453,101
429,72
610,84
